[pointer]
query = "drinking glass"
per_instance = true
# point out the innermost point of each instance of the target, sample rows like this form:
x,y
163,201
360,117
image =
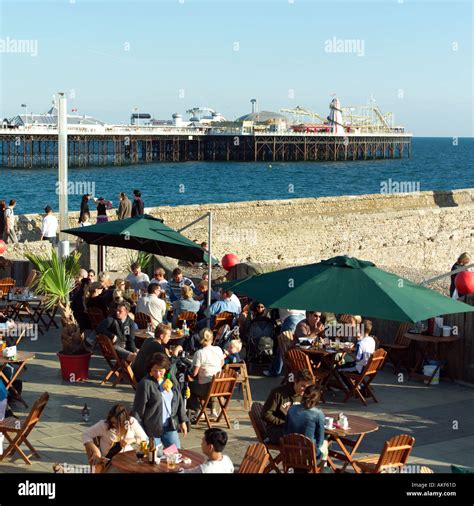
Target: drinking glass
x,y
140,455
171,461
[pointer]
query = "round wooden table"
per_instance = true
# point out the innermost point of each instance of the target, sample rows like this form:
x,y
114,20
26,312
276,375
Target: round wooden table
x,y
358,428
429,350
127,463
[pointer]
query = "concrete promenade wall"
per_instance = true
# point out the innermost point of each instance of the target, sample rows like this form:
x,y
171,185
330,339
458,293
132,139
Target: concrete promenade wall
x,y
424,230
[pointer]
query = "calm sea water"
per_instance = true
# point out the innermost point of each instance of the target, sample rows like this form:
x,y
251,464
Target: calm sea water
x,y
435,164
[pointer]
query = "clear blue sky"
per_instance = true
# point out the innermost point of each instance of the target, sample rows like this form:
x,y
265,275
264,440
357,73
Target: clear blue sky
x,y
189,46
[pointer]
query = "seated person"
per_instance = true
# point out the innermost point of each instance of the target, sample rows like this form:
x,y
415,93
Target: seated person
x,y
176,283
308,420
311,326
212,445
226,304
3,403
206,362
138,279
77,304
94,297
185,303
120,328
152,305
365,348
159,344
116,434
280,401
232,352
159,278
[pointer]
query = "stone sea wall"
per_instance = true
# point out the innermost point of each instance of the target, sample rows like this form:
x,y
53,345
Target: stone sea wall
x,y
423,230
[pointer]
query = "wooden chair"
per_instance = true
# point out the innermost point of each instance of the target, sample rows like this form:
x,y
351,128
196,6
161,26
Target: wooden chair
x,y
95,315
426,470
397,352
143,320
16,431
297,360
359,384
119,367
394,456
255,460
298,453
222,388
6,285
224,318
243,380
258,424
189,317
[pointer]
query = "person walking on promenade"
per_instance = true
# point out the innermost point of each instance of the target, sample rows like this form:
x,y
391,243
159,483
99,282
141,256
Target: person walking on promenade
x,y
464,259
49,227
124,208
84,207
138,208
9,233
102,206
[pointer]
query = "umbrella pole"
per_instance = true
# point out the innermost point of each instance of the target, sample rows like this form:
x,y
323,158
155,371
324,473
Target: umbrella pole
x,y
209,265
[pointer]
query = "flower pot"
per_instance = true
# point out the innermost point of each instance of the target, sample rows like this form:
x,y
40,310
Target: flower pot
x,y
74,367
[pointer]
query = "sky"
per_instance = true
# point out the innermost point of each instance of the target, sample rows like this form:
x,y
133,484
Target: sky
x,y
415,58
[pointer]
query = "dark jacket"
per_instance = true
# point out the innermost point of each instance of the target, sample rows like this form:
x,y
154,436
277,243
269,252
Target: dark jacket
x,y
452,285
148,406
278,403
84,210
124,331
124,209
147,349
138,207
97,302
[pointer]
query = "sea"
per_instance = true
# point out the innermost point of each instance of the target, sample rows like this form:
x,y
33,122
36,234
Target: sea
x,y
435,164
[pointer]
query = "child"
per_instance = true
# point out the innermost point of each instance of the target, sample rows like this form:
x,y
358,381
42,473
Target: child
x,y
232,352
212,445
365,348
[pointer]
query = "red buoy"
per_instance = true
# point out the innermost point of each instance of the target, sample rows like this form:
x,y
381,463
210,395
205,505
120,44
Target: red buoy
x,y
3,247
229,260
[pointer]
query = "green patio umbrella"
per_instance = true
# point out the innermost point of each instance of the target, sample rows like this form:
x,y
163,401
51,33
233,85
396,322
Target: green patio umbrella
x,y
142,233
346,285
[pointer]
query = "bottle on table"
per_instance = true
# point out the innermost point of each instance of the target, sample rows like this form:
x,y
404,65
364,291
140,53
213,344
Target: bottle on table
x,y
85,413
185,328
152,451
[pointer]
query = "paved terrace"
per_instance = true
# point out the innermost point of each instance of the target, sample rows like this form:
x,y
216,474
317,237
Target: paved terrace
x,y
440,416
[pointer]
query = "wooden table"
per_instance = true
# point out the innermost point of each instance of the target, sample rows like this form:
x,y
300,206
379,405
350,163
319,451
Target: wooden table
x,y
348,440
429,350
22,357
35,310
127,463
144,334
327,357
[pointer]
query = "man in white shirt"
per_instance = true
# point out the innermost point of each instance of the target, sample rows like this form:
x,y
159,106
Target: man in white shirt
x,y
49,228
364,350
152,305
212,445
137,278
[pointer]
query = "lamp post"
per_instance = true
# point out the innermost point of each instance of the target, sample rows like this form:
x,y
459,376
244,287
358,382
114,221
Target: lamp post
x,y
138,118
62,174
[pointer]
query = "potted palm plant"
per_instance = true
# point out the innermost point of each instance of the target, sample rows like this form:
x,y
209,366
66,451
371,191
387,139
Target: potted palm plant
x,y
56,281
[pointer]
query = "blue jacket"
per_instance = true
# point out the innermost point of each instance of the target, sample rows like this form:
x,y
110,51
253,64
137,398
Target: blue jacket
x,y
308,422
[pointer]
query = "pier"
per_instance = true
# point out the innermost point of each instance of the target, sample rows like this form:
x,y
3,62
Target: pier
x,y
38,147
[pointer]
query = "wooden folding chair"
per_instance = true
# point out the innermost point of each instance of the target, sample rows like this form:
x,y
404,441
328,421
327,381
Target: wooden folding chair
x,y
6,286
143,320
297,360
255,460
119,367
359,384
95,315
243,380
298,453
394,456
224,318
222,388
397,352
189,317
16,430
258,424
